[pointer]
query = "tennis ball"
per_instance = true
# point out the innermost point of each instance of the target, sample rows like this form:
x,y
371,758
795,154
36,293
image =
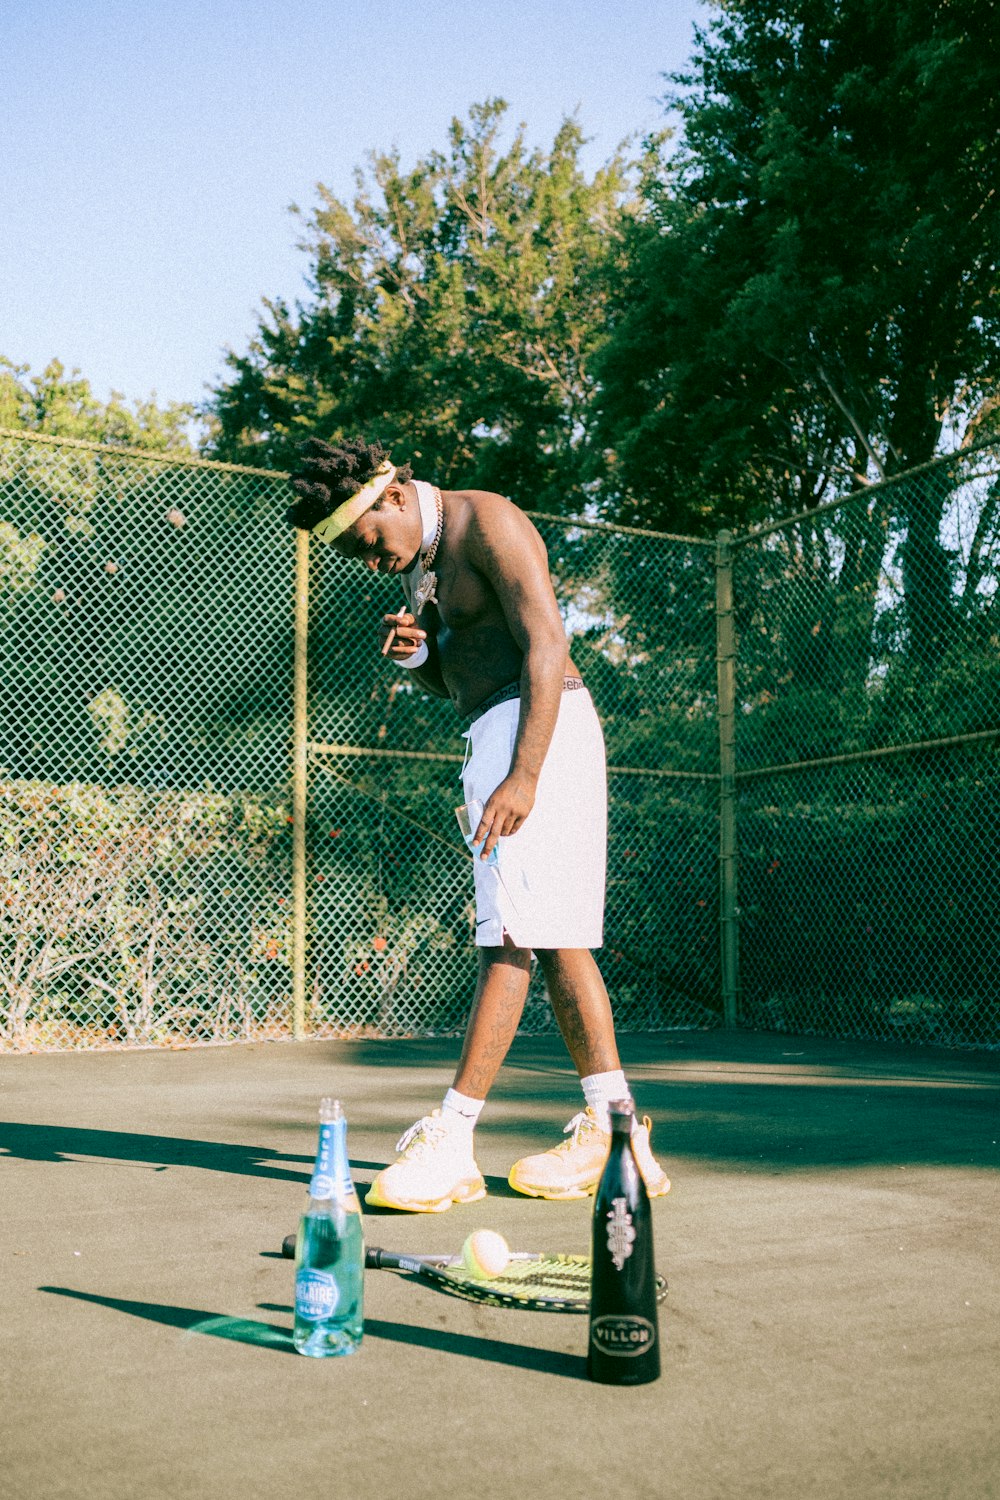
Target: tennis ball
x,y
485,1253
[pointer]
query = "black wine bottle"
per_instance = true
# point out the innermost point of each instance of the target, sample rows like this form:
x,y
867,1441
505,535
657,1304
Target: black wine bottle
x,y
624,1343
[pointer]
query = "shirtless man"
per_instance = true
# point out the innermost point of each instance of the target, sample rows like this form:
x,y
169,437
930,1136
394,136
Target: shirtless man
x,y
482,628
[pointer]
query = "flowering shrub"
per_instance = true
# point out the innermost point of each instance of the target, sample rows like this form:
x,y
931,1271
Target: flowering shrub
x,y
143,916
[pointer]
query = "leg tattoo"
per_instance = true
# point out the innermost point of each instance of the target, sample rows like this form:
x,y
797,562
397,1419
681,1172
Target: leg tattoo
x,y
496,1011
580,1001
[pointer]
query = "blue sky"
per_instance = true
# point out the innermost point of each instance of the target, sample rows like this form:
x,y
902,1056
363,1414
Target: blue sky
x,y
152,147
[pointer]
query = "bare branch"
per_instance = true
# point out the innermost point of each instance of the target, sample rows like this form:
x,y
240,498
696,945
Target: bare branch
x,y
859,431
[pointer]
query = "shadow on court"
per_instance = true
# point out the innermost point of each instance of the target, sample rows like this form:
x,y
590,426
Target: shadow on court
x,y
758,1102
519,1356
194,1320
68,1143
191,1319
56,1143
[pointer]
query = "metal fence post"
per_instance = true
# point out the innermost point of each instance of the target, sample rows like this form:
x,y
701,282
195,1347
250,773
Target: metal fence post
x,y
300,784
726,667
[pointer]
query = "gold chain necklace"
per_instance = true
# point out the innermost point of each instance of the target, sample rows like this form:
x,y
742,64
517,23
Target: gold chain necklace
x,y
424,593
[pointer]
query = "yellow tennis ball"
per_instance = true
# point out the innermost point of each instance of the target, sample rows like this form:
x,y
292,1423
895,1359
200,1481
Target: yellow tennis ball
x,y
485,1253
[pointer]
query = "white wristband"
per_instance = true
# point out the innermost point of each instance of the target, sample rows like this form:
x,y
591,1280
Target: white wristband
x,y
417,659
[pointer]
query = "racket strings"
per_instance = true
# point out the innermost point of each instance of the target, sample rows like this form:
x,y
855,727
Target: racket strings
x,y
555,1274
552,1274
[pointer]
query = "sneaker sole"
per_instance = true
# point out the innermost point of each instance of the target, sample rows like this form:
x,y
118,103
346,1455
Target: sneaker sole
x,y
554,1195
465,1192
564,1195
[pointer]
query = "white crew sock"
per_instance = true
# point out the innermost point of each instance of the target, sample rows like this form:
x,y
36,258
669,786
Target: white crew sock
x,y
460,1107
600,1090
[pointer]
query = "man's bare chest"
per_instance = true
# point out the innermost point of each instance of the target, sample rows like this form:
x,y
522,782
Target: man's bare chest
x,y
464,598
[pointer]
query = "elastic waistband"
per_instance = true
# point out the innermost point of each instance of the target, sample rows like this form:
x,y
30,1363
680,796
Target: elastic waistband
x,y
513,690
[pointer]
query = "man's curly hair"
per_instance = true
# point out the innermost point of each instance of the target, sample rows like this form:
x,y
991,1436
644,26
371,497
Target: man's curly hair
x,y
329,474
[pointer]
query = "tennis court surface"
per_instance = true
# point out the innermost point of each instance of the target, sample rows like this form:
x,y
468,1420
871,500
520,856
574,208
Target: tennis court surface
x,y
830,1242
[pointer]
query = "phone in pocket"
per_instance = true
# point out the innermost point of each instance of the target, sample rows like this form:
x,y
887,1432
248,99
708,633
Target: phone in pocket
x,y
469,816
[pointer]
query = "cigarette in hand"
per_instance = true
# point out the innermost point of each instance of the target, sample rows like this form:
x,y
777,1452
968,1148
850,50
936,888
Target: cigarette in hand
x,y
392,634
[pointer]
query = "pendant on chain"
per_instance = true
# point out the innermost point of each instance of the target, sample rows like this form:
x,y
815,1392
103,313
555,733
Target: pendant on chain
x,y
424,593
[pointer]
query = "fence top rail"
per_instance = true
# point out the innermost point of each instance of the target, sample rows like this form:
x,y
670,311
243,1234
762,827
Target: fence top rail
x,y
867,491
372,752
191,462
734,539
150,455
609,526
853,757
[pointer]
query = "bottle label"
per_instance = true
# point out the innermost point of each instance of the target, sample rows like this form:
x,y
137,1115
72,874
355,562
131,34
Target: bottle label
x,y
321,1185
622,1335
316,1296
621,1233
331,1175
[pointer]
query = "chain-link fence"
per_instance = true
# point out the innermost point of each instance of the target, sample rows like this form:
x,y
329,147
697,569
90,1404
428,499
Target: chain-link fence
x,y
392,918
868,700
223,816
144,732
185,859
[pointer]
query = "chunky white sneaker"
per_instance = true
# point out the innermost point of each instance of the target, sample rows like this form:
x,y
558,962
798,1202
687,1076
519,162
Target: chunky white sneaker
x,y
435,1169
656,1180
573,1169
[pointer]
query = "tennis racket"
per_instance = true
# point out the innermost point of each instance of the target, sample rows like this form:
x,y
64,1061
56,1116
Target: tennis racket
x,y
532,1282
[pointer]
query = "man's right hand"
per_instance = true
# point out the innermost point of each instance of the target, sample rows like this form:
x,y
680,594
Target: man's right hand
x,y
400,636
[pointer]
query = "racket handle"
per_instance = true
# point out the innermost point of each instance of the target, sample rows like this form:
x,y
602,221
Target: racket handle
x,y
376,1259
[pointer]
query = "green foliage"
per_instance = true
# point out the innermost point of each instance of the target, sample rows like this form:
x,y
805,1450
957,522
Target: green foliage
x,y
19,559
456,308
807,300
63,405
842,650
157,911
391,914
144,917
661,949
868,897
143,639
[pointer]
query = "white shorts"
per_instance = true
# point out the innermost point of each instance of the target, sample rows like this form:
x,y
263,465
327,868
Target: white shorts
x,y
547,888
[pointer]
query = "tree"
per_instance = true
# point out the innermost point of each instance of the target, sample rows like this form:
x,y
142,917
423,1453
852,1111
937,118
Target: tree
x,y
63,405
93,548
456,306
808,300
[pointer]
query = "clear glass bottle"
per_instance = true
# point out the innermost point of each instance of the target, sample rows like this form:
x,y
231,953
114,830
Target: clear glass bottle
x,y
330,1249
623,1347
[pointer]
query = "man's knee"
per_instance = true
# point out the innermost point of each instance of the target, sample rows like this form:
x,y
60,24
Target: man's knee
x,y
508,953
564,958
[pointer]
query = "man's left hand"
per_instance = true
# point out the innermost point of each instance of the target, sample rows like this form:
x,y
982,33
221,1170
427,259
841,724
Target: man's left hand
x,y
505,811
